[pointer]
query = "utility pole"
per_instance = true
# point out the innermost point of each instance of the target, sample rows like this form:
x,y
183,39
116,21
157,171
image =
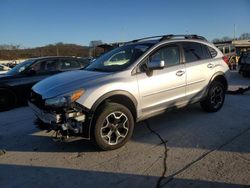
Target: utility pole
x,y
234,31
57,50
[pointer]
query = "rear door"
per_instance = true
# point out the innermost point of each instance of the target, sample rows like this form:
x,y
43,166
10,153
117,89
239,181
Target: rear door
x,y
199,68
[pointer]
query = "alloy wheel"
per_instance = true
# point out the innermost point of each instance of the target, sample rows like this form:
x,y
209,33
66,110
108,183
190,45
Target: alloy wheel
x,y
115,128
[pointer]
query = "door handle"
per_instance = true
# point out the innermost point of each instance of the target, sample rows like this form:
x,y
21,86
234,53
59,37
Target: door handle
x,y
180,73
210,65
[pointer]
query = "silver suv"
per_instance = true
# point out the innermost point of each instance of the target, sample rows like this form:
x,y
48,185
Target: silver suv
x,y
130,84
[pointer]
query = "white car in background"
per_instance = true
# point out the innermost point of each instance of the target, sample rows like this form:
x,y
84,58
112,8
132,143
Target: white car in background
x,y
4,69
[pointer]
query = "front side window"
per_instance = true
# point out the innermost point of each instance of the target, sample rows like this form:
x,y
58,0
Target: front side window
x,y
194,52
45,66
169,54
119,58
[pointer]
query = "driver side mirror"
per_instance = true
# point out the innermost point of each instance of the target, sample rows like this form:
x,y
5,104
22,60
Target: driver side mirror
x,y
154,65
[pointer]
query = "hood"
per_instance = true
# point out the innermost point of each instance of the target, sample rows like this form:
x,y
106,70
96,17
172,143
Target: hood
x,y
3,75
65,82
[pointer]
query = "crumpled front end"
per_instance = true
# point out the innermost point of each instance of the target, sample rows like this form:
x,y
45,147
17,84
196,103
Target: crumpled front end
x,y
68,121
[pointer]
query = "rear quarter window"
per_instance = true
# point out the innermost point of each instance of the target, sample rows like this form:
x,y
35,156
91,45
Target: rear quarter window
x,y
212,51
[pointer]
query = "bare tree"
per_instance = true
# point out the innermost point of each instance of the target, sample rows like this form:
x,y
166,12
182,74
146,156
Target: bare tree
x,y
216,40
244,36
95,43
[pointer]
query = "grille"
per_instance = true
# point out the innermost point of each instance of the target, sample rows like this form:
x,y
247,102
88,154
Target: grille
x,y
37,99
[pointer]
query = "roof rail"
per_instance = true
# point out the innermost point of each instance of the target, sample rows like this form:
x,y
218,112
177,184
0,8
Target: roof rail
x,y
189,36
170,36
145,38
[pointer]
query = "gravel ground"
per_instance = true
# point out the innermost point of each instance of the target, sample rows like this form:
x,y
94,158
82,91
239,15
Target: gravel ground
x,y
184,148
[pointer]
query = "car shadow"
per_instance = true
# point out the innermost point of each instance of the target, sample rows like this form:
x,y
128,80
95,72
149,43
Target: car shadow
x,y
35,176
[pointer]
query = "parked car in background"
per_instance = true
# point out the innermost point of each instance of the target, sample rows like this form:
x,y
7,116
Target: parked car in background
x,y
131,83
15,85
229,51
3,69
244,64
11,64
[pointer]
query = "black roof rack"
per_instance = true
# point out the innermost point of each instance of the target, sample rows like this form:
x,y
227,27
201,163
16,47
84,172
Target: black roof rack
x,y
190,36
170,36
145,38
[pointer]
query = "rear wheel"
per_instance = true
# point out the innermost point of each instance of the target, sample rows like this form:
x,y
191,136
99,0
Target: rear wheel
x,y
113,126
7,99
215,97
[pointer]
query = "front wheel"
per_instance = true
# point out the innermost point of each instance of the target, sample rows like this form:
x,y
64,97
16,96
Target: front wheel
x,y
7,100
215,97
113,126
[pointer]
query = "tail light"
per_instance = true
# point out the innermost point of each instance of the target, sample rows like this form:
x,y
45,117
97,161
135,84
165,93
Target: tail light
x,y
225,58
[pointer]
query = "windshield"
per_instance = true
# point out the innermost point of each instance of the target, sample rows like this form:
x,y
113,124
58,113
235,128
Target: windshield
x,y
20,67
119,58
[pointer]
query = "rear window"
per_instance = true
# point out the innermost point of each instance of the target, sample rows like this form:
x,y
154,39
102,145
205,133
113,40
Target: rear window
x,y
232,49
195,51
226,49
245,58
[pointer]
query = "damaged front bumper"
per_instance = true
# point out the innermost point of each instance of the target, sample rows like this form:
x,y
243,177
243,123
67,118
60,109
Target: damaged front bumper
x,y
70,122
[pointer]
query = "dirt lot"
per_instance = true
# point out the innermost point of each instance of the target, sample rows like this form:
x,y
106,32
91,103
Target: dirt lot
x,y
202,150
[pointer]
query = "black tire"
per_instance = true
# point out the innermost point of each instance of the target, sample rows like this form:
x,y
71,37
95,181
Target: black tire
x,y
244,74
7,100
215,97
41,125
112,119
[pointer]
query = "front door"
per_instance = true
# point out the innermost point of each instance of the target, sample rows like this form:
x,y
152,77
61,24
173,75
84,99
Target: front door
x,y
165,87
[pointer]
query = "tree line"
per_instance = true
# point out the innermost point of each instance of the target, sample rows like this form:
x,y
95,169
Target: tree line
x,y
13,52
243,36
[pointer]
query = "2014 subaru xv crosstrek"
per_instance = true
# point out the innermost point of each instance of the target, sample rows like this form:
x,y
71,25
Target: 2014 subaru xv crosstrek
x,y
142,78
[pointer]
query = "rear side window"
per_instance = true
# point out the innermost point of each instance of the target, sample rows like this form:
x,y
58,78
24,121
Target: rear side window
x,y
195,51
206,52
69,64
